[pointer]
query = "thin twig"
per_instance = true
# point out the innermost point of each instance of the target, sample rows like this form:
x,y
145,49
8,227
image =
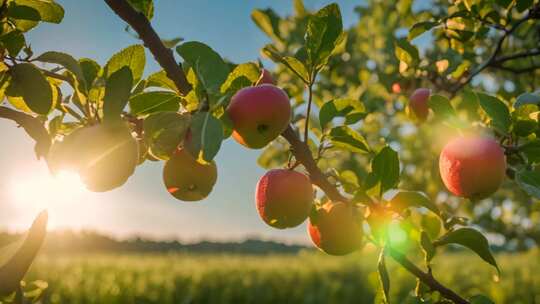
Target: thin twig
x,y
308,113
493,61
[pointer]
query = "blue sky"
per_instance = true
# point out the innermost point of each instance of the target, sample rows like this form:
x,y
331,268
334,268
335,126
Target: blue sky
x,y
143,206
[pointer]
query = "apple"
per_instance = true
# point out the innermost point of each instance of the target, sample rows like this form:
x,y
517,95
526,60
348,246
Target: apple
x,y
418,103
104,155
335,229
265,78
187,179
473,167
259,114
396,88
284,198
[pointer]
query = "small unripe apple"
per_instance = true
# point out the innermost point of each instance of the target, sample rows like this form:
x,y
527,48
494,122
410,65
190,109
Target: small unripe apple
x,y
259,114
335,229
418,103
187,179
284,198
265,78
104,155
472,167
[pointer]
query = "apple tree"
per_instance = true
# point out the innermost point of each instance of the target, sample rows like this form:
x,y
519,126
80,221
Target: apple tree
x,y
411,131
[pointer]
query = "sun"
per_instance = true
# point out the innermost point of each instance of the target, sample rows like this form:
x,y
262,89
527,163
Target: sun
x,y
42,190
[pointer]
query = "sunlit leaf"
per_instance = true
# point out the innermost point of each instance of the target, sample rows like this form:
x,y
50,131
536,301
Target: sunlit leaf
x,y
346,138
117,92
206,136
152,102
471,239
133,57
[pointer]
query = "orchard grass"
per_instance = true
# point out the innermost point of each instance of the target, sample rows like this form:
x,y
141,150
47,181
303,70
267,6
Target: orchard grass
x,y
308,277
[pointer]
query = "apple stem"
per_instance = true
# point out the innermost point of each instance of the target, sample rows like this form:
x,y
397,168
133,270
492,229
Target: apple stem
x,y
300,149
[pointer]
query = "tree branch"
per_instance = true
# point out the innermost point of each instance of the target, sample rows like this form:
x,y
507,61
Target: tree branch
x,y
162,54
299,148
493,61
33,126
425,277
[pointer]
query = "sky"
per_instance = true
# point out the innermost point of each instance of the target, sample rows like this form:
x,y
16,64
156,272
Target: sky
x,y
142,206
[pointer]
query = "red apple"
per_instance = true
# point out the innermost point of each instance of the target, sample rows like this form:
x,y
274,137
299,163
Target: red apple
x,y
396,88
265,78
335,229
472,167
284,198
259,114
188,180
418,103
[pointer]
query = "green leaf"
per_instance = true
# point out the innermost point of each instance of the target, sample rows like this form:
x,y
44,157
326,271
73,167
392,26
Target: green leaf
x,y
152,102
522,5
441,106
471,239
353,110
268,21
427,246
480,299
161,80
406,199
529,181
384,277
13,271
406,52
496,110
48,10
206,136
243,75
13,41
420,28
208,65
164,131
324,30
291,63
170,43
90,70
133,57
117,92
33,87
65,60
527,98
532,151
146,7
385,167
347,138
22,12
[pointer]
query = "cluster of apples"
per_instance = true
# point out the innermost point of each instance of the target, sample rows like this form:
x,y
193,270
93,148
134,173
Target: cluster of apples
x,y
471,166
285,197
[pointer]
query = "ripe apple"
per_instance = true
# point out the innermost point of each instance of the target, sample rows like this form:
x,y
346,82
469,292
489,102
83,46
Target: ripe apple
x,y
259,114
265,78
284,198
396,88
187,179
104,155
472,167
335,229
418,103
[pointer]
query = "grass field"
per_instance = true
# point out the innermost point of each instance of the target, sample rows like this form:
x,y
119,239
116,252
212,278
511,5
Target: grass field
x,y
308,277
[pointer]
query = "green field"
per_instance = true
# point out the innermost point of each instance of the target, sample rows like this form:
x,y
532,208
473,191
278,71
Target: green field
x,y
308,277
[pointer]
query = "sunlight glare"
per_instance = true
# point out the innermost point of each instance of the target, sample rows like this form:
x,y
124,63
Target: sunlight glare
x,y
45,191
